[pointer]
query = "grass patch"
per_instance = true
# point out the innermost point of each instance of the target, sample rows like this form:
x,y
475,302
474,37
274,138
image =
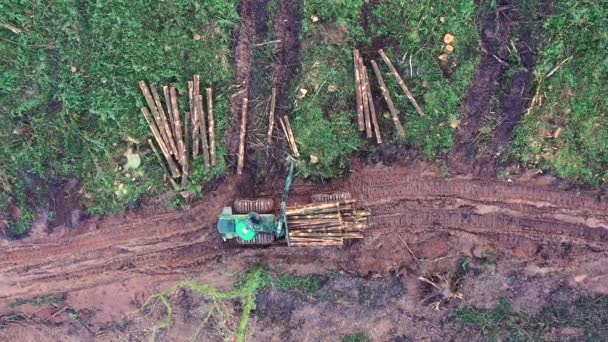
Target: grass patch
x,y
245,291
573,98
414,32
37,302
325,117
309,285
589,314
70,97
356,337
502,323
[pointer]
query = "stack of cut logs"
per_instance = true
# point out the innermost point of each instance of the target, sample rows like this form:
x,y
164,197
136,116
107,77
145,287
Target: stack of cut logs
x,y
366,112
325,224
180,138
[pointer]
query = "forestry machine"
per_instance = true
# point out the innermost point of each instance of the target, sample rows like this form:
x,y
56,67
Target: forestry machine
x,y
328,221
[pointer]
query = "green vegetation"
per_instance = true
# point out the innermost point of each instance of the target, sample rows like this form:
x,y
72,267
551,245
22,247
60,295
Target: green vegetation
x,y
245,292
70,99
37,302
572,99
356,337
501,322
309,285
415,32
325,117
464,266
590,314
253,281
587,313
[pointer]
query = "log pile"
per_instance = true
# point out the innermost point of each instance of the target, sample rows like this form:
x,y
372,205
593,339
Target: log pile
x,y
366,112
179,137
325,224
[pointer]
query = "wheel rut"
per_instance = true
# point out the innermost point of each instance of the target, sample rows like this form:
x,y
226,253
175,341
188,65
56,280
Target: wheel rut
x,y
536,221
499,94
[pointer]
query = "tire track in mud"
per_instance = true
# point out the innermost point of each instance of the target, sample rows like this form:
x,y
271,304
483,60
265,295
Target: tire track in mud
x,y
258,70
506,24
287,30
514,101
251,11
173,245
495,34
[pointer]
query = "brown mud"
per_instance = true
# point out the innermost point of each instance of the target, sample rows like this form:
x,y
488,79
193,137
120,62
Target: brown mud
x,y
132,255
287,59
535,222
103,269
495,32
251,12
277,61
516,98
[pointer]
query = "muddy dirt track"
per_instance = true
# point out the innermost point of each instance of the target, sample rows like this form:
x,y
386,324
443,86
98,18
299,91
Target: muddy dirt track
x,y
526,221
111,265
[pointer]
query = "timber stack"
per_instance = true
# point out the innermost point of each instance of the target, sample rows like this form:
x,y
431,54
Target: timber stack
x,y
180,137
326,223
367,119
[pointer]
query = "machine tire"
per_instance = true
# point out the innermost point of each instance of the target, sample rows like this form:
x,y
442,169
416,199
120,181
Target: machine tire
x,y
260,239
258,205
331,197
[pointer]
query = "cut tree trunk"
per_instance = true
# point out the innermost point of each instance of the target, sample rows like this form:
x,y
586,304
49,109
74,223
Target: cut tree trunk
x,y
152,105
292,139
273,103
211,127
360,121
203,130
195,121
288,135
172,166
186,165
241,156
372,107
178,126
165,121
167,93
162,164
368,102
389,101
402,84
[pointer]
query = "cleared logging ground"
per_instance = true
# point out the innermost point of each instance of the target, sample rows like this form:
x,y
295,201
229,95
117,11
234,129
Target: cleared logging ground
x,y
532,221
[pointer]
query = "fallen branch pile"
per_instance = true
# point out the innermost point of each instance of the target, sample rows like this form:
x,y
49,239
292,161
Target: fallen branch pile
x,y
366,111
326,224
179,137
